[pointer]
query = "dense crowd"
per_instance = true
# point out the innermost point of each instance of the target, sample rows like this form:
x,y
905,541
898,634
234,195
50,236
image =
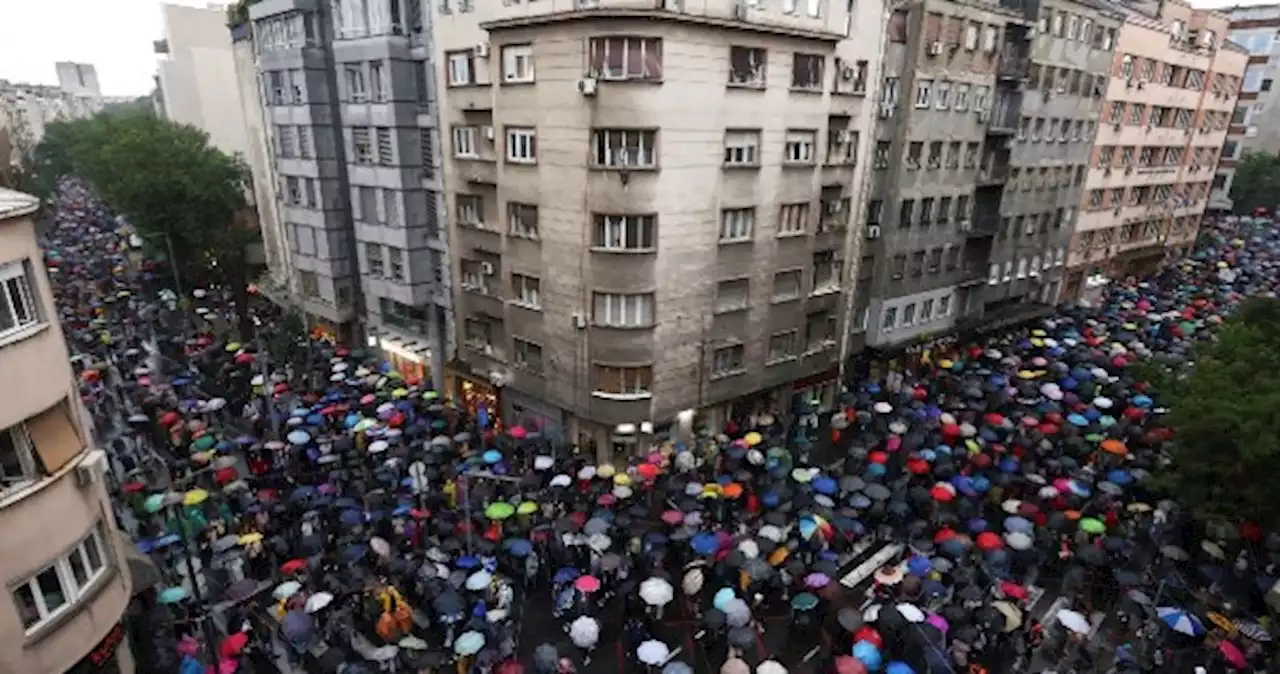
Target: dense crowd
x,y
334,516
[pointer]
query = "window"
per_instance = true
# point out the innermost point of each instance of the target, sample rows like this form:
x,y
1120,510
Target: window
x,y
971,37
385,146
528,356
842,146
944,306
786,285
727,361
826,271
522,220
615,310
478,334
625,232
377,78
461,68
806,71
881,158
356,91
17,303
736,224
624,148
793,219
526,291
799,147
851,77
742,148
924,89
926,311
396,258
782,346
373,256
623,381
517,63
747,66
993,274
61,585
820,331
1008,272
304,142
471,210
309,284
960,98
733,295
476,275
285,146
275,81
1022,268
942,95
890,320
521,145
1126,66
626,58
361,144
464,142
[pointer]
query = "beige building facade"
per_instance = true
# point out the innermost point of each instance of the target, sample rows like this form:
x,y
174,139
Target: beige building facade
x,y
1171,94
650,205
63,564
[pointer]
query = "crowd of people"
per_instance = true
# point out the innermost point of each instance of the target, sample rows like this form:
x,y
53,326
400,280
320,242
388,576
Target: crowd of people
x,y
337,517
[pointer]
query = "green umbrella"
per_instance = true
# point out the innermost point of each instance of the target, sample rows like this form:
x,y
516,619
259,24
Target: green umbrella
x,y
804,602
499,511
154,503
204,443
1090,525
430,395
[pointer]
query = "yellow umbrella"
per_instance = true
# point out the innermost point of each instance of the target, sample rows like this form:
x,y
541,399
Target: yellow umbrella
x,y
1026,374
605,471
400,393
250,539
1036,342
710,491
527,508
752,439
946,364
1039,333
622,480
195,497
233,347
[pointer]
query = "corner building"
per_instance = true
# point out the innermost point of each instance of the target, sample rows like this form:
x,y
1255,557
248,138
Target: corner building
x,y
650,204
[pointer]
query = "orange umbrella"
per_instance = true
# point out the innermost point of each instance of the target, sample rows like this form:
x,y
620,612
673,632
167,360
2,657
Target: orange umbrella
x,y
1072,515
732,490
1113,446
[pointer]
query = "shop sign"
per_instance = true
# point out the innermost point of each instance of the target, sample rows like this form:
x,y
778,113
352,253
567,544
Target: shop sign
x,y
102,654
939,342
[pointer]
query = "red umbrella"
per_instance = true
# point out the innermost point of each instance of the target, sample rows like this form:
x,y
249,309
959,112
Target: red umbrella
x,y
244,359
944,535
918,466
1013,590
951,431
878,457
869,634
518,432
280,388
225,476
293,566
170,418
942,493
132,487
989,541
647,471
994,419
233,645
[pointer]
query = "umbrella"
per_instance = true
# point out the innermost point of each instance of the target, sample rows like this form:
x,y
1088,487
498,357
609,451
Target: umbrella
x,y
656,592
584,632
1074,621
172,595
735,666
911,612
770,667
468,643
653,652
318,601
1180,621
286,589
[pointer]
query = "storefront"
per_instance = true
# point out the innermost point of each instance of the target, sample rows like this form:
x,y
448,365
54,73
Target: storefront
x,y
323,330
410,359
106,657
818,393
532,413
471,395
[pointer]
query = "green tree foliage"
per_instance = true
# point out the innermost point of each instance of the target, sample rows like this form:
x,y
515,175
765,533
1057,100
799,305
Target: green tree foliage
x,y
1256,183
1226,461
169,183
288,339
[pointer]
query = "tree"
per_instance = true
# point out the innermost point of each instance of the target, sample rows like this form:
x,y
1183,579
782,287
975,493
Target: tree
x,y
1225,461
183,195
1256,183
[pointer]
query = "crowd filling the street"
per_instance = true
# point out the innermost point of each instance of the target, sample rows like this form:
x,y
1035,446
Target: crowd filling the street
x,y
990,510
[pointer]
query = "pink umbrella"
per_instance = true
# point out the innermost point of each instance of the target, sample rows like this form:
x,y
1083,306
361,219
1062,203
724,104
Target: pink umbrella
x,y
938,622
587,584
847,664
518,432
1233,654
673,517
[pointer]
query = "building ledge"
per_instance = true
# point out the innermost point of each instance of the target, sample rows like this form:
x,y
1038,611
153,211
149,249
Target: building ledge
x,y
270,8
653,15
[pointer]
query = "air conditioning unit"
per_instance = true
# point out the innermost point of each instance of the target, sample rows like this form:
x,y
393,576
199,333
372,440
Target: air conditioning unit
x,y
935,48
740,12
671,5
848,73
1106,171
90,468
488,132
873,232
486,268
587,86
1116,211
1128,170
1048,93
482,50
579,321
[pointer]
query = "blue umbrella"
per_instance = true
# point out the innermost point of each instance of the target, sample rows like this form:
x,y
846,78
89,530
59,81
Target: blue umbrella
x,y
1018,524
315,420
166,540
519,547
824,485
467,562
1120,477
704,543
919,566
565,574
171,595
299,437
492,456
352,553
302,493
351,517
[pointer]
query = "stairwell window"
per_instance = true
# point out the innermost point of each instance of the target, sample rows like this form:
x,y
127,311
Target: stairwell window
x,y
799,147
626,232
522,145
747,66
464,142
806,71
461,68
356,91
626,58
623,381
17,302
517,63
617,310
624,148
737,224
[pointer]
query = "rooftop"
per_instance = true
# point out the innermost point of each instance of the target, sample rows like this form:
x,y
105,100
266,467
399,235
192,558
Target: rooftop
x,y
14,204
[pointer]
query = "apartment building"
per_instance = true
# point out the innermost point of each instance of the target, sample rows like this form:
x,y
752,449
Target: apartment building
x,y
196,75
650,202
64,567
351,121
78,79
1171,94
1255,123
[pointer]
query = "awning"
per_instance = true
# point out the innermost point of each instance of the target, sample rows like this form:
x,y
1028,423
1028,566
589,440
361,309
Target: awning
x,y
141,569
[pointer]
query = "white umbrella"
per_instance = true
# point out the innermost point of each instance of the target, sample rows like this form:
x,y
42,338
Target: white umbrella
x,y
653,652
1074,621
749,549
479,580
543,462
561,480
469,643
871,613
318,601
587,473
584,632
770,532
911,612
656,592
286,589
693,581
599,542
737,613
883,408
380,546
770,667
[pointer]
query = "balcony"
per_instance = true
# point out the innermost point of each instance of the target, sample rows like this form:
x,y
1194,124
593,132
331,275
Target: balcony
x,y
981,227
993,174
1002,120
1013,66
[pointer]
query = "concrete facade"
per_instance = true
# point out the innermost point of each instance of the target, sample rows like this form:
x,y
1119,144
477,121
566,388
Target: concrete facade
x,y
196,75
78,79
1255,122
28,108
63,567
1169,99
650,206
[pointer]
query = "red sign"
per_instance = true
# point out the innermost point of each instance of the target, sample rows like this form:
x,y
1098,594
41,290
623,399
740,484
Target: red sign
x,y
101,657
